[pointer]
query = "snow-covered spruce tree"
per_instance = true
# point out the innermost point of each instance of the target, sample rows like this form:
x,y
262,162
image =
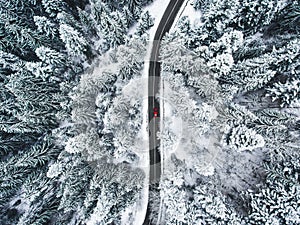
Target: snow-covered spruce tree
x,y
18,170
286,20
255,72
277,202
199,4
131,9
184,25
74,183
36,102
109,24
174,193
109,194
241,138
51,67
287,93
274,125
189,202
114,29
220,52
124,126
234,114
41,212
207,86
75,43
268,123
218,16
44,25
37,202
252,48
85,94
11,144
252,74
16,17
90,145
130,58
208,207
175,55
285,89
254,15
145,23
53,6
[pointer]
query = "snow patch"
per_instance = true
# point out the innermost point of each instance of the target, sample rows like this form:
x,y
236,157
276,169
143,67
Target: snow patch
x,y
187,10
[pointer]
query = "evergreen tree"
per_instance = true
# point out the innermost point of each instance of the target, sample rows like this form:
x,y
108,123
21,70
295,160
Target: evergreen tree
x,y
76,44
199,4
287,20
254,15
46,26
242,138
274,125
287,93
53,6
18,168
253,73
217,18
145,23
277,201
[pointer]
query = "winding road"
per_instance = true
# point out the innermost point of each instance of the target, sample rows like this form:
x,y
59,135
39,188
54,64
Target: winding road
x,y
153,89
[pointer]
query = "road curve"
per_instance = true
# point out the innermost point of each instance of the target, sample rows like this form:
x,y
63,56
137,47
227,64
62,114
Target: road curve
x,y
153,89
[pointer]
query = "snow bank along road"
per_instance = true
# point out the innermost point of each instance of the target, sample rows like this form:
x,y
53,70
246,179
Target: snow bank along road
x,y
153,88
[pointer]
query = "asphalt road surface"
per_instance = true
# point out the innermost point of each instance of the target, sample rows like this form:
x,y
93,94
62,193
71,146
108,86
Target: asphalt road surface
x,y
153,89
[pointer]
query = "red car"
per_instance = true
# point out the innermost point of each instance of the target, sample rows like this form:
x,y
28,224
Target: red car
x,y
155,112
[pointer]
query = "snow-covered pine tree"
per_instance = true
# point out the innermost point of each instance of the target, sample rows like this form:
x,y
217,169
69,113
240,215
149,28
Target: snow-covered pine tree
x,y
75,43
74,183
87,144
114,28
252,74
175,194
54,59
117,189
46,26
184,25
235,114
217,17
130,58
199,4
144,24
208,207
176,56
254,15
19,168
286,21
274,125
277,202
287,93
241,138
36,102
52,7
41,212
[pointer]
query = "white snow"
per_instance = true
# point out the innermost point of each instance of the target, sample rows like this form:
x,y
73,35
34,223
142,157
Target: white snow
x,y
191,13
188,10
24,205
156,10
185,127
135,214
